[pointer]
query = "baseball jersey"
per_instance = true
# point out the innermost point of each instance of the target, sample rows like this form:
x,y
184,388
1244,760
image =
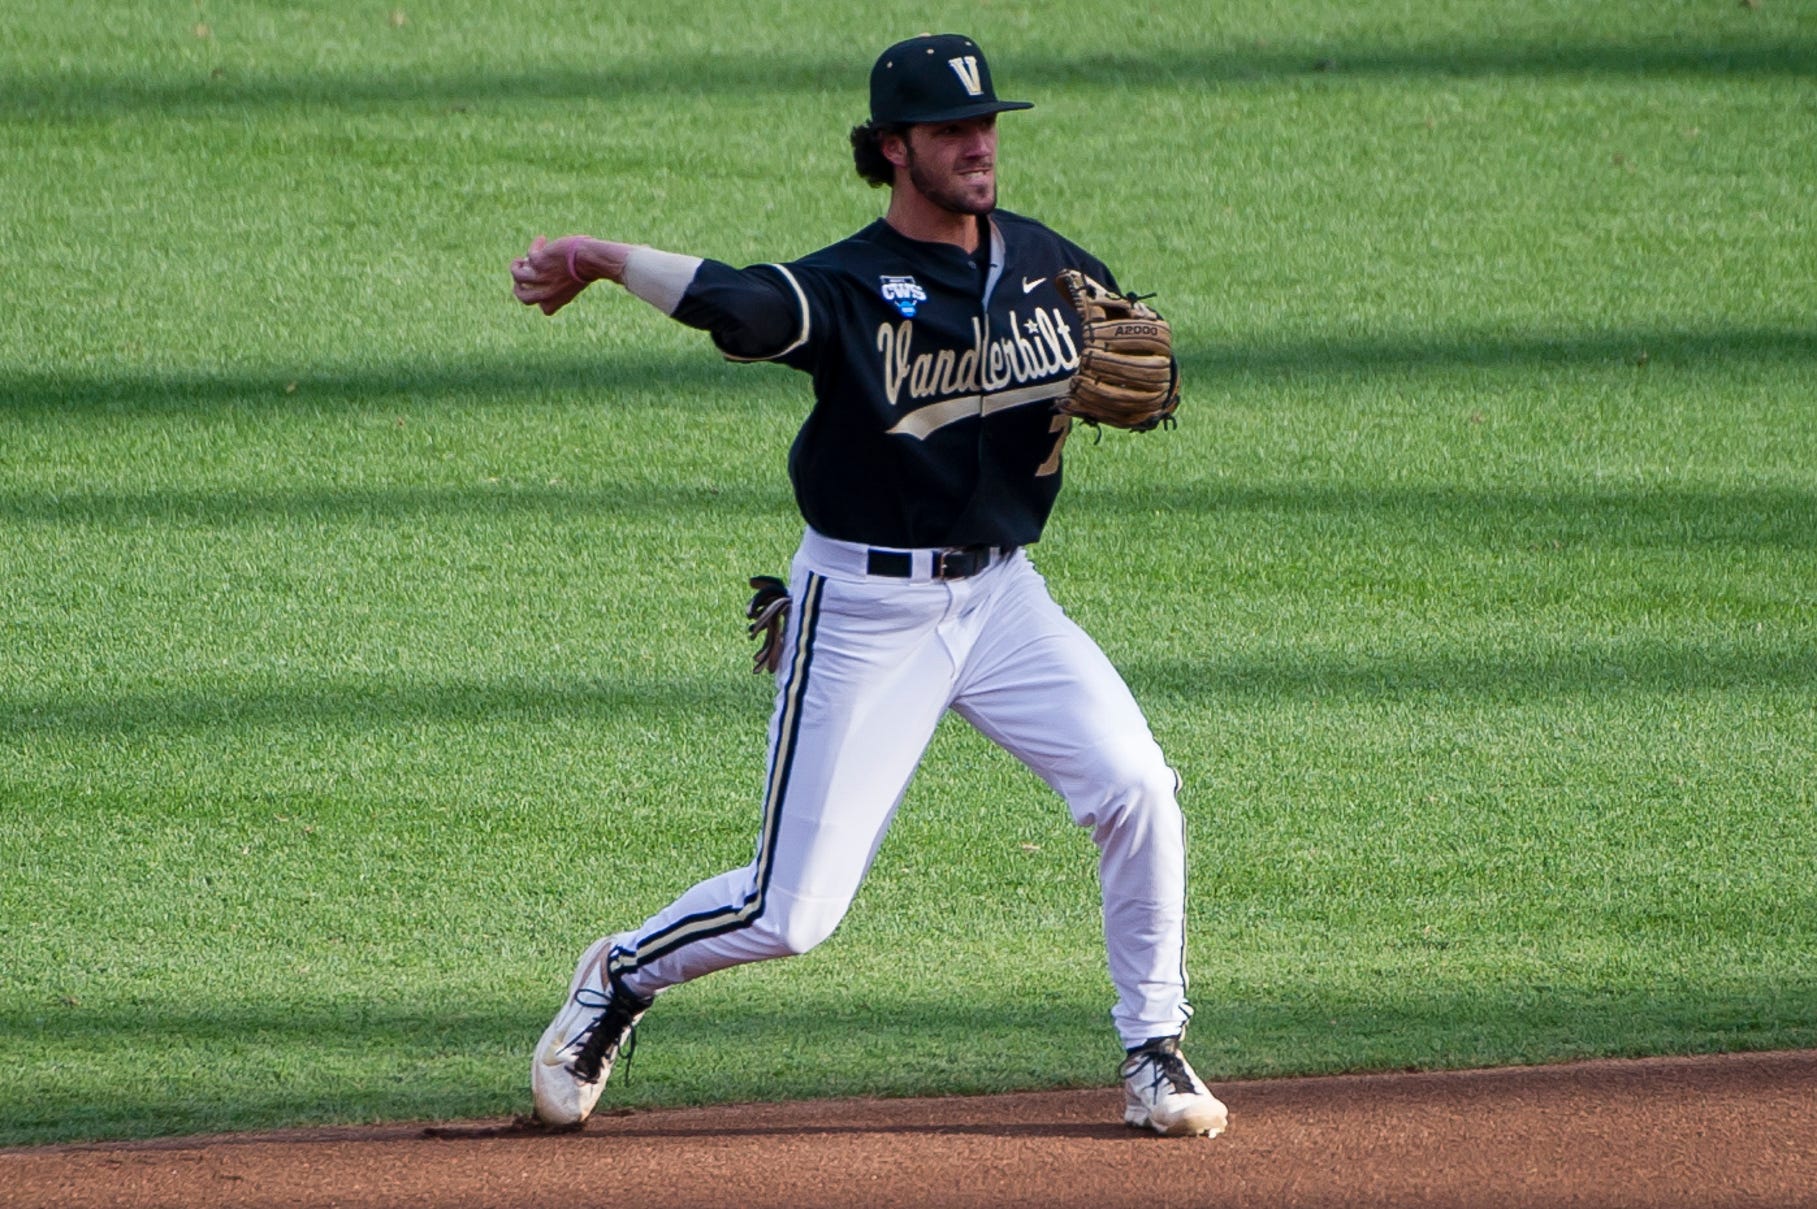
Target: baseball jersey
x,y
934,371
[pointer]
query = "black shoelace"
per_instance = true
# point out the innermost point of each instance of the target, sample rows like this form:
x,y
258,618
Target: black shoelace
x,y
611,1036
1166,1065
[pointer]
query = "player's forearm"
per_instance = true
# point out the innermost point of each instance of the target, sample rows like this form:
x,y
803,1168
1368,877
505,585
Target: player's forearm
x,y
659,278
748,313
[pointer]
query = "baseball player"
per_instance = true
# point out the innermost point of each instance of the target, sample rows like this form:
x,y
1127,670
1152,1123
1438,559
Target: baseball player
x,y
938,345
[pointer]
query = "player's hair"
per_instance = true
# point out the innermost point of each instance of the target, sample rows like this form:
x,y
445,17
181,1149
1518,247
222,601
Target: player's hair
x,y
867,154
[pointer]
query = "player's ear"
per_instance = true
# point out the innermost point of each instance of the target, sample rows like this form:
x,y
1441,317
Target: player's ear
x,y
894,145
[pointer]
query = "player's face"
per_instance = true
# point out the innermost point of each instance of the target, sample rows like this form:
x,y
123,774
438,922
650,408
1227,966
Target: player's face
x,y
954,164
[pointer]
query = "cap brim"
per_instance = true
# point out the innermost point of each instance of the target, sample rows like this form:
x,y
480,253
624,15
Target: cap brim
x,y
960,113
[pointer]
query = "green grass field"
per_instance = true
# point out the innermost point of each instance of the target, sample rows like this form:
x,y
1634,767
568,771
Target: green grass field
x,y
369,643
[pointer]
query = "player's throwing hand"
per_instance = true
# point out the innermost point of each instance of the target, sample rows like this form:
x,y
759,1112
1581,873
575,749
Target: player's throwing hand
x,y
551,274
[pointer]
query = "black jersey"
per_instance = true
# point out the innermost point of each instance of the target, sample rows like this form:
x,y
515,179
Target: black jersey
x,y
934,372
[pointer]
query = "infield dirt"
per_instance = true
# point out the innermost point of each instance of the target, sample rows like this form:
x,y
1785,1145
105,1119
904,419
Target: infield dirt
x,y
1736,1130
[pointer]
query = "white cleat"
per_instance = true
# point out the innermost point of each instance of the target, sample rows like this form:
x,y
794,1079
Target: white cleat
x,y
580,1046
1161,1092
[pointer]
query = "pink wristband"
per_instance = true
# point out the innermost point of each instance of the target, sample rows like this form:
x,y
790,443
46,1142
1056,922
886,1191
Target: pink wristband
x,y
572,249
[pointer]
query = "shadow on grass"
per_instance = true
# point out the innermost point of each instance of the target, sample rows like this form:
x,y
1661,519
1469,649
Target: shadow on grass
x,y
78,93
377,704
1536,521
701,380
740,504
1583,670
372,1061
1666,349
656,383
1577,670
1642,518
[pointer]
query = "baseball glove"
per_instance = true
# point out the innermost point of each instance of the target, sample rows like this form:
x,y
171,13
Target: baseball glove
x,y
1127,374
768,612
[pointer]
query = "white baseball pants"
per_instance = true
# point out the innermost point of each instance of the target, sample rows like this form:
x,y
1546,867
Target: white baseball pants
x,y
870,663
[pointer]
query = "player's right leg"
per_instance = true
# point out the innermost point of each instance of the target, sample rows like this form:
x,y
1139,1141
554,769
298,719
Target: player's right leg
x,y
863,682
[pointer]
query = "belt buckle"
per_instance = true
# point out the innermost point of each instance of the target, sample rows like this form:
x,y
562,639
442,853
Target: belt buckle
x,y
962,562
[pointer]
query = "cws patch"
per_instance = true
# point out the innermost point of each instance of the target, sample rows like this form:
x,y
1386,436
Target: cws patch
x,y
904,294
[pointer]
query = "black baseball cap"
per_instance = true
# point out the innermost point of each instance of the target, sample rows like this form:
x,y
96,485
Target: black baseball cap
x,y
934,78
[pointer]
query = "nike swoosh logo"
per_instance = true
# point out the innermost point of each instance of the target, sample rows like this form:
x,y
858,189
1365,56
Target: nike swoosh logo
x,y
552,1054
1028,287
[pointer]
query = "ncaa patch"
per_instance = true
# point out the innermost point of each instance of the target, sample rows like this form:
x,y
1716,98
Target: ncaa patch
x,y
903,293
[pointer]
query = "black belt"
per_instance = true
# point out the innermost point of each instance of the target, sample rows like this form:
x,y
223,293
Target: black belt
x,y
955,563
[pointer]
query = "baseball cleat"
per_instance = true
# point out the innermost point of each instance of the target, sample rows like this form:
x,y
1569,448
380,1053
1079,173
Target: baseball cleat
x,y
589,1034
1161,1092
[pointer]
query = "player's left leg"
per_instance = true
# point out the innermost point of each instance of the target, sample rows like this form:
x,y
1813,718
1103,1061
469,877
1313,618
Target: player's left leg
x,y
1036,684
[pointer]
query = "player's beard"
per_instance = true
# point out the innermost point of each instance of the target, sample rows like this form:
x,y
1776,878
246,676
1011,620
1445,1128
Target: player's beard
x,y
950,195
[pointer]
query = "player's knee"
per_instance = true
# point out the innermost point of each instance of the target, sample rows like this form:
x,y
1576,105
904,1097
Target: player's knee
x,y
1135,787
794,932
1137,773
804,934
1150,802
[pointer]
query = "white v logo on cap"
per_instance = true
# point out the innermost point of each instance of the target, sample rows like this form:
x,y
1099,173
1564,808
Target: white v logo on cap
x,y
966,68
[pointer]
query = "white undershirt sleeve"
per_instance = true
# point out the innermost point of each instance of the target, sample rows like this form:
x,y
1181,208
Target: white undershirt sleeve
x,y
659,278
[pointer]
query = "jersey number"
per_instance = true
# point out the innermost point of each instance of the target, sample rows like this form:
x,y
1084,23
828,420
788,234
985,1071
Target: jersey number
x,y
1062,425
